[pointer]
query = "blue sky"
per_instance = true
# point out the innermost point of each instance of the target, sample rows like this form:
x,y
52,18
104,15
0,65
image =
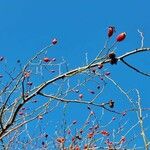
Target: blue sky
x,y
80,26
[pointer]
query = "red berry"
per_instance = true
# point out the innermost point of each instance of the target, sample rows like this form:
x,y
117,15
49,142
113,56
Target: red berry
x,y
111,30
60,140
20,113
77,148
73,139
46,59
100,66
90,135
80,96
85,146
121,37
107,73
54,41
123,139
105,133
26,74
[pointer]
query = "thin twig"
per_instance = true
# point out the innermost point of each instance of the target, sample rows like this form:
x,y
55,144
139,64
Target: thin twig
x,y
135,69
78,101
142,38
140,118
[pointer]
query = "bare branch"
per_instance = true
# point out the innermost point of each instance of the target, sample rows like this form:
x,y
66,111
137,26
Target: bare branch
x,y
133,52
140,118
79,101
135,69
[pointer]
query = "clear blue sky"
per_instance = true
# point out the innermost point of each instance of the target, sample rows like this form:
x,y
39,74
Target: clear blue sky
x,y
80,26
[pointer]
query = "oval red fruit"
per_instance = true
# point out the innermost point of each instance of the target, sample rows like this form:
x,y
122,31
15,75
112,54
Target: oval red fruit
x,y
121,37
46,59
123,139
105,133
80,96
60,140
100,66
107,73
54,41
90,135
77,148
20,113
111,30
26,74
85,147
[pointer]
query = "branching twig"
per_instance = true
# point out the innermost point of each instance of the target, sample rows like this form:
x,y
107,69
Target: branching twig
x,y
78,101
140,118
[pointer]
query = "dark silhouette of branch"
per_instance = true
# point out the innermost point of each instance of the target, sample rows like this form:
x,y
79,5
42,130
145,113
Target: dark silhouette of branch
x,y
121,58
135,69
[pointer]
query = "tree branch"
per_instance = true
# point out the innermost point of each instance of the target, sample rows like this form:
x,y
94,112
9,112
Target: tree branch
x,y
102,105
62,76
135,69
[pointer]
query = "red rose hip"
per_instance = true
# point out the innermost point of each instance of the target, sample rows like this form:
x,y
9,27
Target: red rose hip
x,y
121,37
46,59
111,30
54,41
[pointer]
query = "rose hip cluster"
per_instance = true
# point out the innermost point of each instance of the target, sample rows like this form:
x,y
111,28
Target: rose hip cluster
x,y
119,38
